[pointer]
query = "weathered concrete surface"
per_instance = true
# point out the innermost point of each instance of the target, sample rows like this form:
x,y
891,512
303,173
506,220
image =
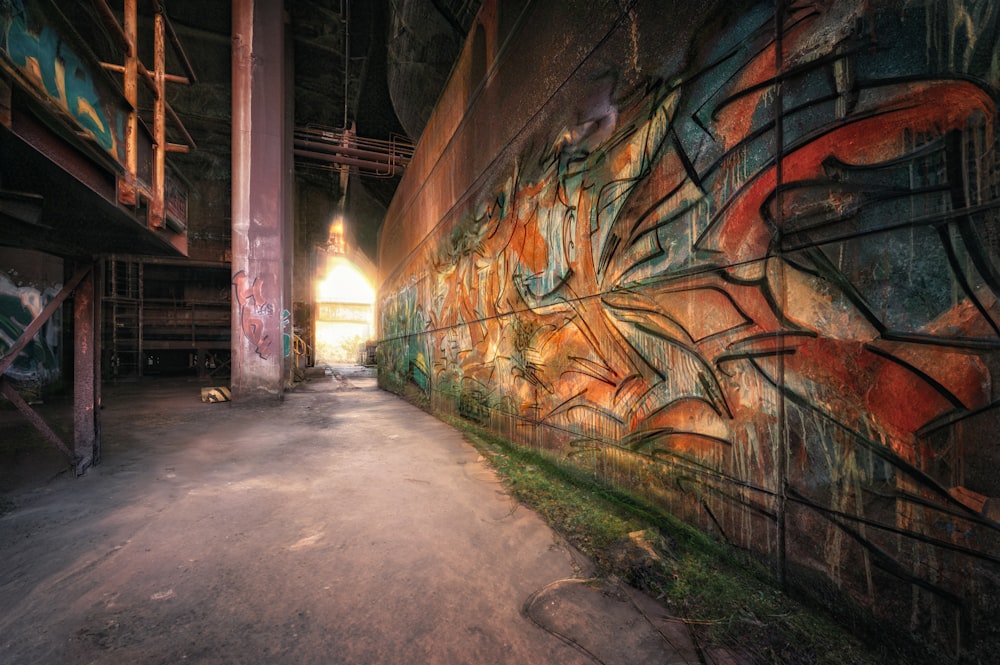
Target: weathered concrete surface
x,y
340,526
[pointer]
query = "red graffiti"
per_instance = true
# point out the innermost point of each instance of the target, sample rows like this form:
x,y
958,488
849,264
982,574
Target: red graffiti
x,y
254,309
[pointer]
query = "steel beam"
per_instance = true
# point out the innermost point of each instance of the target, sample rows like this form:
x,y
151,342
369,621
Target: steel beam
x,y
86,389
86,384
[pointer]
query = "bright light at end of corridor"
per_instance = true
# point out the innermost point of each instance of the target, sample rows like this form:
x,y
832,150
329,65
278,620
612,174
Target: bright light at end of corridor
x,y
344,283
344,318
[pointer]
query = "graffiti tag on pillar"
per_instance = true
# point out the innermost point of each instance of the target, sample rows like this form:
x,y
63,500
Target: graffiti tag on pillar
x,y
286,332
254,310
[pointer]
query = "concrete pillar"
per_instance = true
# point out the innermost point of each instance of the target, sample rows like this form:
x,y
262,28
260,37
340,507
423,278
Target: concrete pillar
x,y
260,182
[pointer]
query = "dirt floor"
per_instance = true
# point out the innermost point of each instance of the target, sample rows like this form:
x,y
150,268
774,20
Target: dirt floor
x,y
342,525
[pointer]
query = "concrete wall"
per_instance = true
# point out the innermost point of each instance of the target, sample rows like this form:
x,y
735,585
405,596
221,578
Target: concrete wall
x,y
741,260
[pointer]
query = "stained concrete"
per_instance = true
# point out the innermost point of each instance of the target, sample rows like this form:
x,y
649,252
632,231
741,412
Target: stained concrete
x,y
342,525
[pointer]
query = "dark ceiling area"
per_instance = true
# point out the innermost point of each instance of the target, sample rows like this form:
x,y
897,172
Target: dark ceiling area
x,y
367,70
376,66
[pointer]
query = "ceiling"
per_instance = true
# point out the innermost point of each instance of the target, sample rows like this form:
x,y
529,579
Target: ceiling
x,y
378,65
375,66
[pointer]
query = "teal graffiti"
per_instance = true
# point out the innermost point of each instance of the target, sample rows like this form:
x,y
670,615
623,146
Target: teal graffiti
x,y
44,58
286,327
402,351
39,361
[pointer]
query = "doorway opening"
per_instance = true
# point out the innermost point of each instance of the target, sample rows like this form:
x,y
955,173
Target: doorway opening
x,y
345,312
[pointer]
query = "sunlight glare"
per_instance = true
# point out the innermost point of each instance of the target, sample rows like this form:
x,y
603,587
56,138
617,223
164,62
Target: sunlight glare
x,y
344,312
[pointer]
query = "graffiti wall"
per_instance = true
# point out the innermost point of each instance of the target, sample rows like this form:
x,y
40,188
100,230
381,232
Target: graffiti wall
x,y
34,45
742,260
39,362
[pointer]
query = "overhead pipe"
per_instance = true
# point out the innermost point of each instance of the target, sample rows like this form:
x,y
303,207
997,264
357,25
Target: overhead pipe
x,y
333,148
337,146
380,168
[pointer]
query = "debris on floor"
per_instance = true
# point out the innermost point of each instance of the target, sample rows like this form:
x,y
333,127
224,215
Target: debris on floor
x,y
216,394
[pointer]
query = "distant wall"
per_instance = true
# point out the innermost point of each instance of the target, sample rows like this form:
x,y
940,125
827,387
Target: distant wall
x,y
742,261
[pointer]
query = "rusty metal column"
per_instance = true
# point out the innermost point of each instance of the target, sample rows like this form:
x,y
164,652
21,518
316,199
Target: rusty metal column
x,y
86,381
261,139
157,209
131,75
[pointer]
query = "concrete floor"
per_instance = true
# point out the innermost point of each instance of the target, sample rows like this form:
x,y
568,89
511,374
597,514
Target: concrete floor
x,y
341,526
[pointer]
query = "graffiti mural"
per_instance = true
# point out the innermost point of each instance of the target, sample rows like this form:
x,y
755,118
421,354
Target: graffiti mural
x,y
54,67
38,363
404,353
759,288
255,310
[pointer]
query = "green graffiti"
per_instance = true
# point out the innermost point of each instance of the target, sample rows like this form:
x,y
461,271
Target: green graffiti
x,y
286,336
39,361
403,357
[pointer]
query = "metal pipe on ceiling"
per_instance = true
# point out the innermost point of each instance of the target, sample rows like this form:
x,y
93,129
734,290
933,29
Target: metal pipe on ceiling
x,y
332,149
383,168
378,157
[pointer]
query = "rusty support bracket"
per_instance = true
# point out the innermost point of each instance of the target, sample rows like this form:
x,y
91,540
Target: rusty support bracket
x,y
26,336
149,79
175,42
146,75
15,398
111,22
86,377
179,51
179,125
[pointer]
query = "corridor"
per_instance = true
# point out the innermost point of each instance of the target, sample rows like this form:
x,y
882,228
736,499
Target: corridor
x,y
342,525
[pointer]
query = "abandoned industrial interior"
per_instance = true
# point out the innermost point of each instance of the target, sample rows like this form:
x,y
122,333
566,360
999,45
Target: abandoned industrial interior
x,y
288,290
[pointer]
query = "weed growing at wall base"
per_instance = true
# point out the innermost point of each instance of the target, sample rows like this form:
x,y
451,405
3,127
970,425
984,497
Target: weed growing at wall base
x,y
725,597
